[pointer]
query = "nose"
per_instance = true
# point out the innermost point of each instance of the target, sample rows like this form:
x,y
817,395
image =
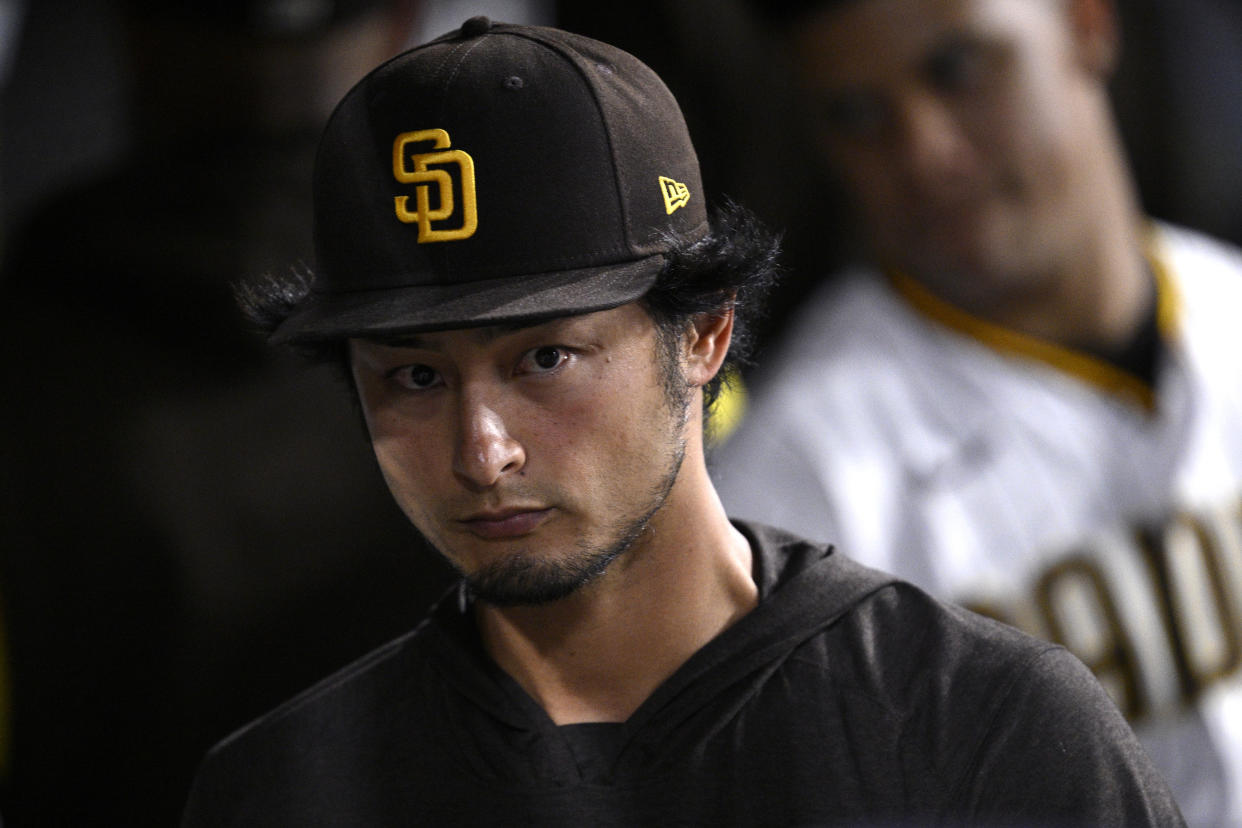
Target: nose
x,y
932,146
485,450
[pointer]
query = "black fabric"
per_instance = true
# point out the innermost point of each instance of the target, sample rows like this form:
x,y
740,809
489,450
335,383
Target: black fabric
x,y
540,158
594,745
845,697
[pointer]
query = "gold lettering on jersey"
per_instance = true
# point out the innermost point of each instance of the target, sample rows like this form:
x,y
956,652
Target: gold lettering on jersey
x,y
430,173
675,193
1158,619
1188,571
1111,654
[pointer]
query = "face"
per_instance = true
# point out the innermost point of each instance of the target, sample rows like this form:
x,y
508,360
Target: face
x,y
529,457
966,131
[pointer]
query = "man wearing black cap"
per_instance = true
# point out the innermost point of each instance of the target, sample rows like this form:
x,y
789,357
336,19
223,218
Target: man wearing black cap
x,y
516,264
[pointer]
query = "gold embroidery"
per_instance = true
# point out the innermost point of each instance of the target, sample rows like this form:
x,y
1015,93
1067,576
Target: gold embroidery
x,y
1089,368
675,193
424,178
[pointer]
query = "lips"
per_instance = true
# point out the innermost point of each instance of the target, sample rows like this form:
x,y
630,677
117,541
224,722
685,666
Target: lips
x,y
505,523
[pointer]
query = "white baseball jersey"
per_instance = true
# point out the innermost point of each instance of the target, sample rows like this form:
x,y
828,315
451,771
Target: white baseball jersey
x,y
1036,484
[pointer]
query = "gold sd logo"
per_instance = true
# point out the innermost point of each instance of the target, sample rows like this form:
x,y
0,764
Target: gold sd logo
x,y
676,194
420,173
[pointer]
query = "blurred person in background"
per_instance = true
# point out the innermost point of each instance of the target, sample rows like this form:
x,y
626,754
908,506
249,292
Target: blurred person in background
x,y
1173,89
184,539
1030,399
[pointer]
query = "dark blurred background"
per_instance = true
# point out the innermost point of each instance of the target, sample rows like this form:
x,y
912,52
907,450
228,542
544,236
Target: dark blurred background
x,y
191,525
66,104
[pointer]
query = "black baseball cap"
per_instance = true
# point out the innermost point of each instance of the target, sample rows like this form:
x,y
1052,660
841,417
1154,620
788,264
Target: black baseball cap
x,y
498,174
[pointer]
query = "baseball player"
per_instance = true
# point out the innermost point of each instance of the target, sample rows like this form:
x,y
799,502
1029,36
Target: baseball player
x,y
516,266
1031,401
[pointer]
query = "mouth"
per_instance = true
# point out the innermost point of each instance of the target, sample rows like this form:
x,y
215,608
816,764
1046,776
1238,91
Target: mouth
x,y
505,523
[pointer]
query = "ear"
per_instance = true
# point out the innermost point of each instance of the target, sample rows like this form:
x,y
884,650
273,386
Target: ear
x,y
1094,26
707,343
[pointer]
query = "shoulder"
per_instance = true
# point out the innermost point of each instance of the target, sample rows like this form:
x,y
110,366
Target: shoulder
x,y
860,390
855,311
810,379
1206,275
859,364
909,636
933,710
990,724
921,650
281,756
859,386
1192,246
895,631
1008,723
1206,270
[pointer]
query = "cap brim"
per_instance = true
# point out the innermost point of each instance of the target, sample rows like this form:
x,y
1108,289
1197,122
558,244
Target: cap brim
x,y
513,299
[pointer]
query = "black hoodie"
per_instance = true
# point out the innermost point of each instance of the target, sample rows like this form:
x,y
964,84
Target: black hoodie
x,y
844,697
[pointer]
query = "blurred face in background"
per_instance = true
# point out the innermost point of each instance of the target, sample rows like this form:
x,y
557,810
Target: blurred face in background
x,y
968,133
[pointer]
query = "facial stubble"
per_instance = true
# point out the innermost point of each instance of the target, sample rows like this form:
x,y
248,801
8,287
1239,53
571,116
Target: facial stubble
x,y
528,579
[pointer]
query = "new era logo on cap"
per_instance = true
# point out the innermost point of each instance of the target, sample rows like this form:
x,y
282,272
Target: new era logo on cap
x,y
676,194
498,173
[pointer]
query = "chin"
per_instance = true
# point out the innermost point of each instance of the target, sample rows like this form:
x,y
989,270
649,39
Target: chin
x,y
525,579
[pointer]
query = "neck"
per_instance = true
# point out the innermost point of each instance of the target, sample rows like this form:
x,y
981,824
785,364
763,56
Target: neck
x,y
598,654
1099,285
1094,298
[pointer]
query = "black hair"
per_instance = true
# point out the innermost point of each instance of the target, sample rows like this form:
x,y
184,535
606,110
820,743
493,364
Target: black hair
x,y
732,267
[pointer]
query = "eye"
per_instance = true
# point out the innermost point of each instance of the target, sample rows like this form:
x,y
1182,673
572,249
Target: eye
x,y
416,377
543,360
854,116
957,67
